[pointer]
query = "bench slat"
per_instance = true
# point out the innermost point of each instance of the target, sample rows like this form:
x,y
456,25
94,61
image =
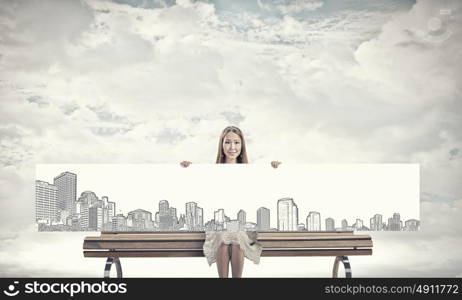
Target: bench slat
x,y
188,232
133,244
192,234
199,253
202,238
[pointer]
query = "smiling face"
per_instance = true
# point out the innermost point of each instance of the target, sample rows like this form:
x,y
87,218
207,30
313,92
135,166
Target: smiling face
x,y
232,145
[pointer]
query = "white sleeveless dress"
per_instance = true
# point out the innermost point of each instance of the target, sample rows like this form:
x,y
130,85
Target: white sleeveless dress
x,y
247,241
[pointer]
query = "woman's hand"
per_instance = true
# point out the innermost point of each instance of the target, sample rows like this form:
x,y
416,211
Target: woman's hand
x,y
185,163
275,164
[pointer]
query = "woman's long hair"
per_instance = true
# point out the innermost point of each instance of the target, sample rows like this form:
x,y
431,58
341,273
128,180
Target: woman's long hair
x,y
242,158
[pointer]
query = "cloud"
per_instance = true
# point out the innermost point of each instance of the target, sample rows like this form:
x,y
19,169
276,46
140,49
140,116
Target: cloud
x,y
83,82
38,100
291,6
68,109
168,135
233,117
44,28
454,153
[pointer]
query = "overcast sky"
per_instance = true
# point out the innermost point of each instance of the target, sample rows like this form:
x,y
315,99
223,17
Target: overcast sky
x,y
152,81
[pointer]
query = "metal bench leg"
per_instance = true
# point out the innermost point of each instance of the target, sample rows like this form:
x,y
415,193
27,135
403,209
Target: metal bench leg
x,y
346,265
107,268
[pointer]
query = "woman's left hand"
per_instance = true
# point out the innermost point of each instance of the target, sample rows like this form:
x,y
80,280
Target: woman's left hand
x,y
275,164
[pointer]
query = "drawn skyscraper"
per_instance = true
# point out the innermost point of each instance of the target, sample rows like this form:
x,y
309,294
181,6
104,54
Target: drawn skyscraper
x,y
263,219
157,218
219,220
163,207
191,215
173,214
344,224
394,224
359,224
287,215
89,197
397,219
241,217
199,218
219,216
330,224
166,220
109,210
95,217
46,202
119,223
66,183
376,223
86,200
181,222
313,221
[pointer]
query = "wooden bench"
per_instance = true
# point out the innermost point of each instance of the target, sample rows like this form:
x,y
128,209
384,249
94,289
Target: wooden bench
x,y
114,245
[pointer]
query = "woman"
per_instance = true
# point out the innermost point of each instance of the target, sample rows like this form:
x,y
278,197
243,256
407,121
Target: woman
x,y
225,247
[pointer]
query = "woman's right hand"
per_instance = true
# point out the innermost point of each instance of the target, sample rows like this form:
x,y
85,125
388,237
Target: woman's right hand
x,y
275,164
185,163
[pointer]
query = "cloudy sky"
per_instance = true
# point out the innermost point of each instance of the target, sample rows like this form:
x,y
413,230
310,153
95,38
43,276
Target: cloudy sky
x,y
152,81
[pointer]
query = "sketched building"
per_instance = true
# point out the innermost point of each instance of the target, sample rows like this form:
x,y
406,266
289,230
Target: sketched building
x,y
157,219
66,183
359,225
376,223
46,202
140,220
166,219
394,224
82,214
191,216
287,215
330,224
219,216
313,221
163,207
87,200
210,225
181,225
344,224
119,223
199,218
89,197
263,219
412,225
173,214
109,209
95,217
241,216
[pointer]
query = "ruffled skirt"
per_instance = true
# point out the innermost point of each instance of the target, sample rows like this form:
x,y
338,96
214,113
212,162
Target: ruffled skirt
x,y
247,242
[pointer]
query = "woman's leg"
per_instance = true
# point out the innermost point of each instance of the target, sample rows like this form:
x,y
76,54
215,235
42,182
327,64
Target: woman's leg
x,y
237,261
223,256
